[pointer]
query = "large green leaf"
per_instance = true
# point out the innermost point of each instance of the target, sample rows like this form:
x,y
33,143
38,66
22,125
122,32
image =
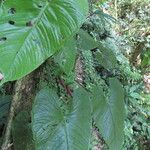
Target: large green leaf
x,y
109,114
33,30
106,57
86,42
22,133
67,56
54,129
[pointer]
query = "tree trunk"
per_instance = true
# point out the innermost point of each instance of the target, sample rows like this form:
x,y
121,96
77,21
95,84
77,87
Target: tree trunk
x,y
24,93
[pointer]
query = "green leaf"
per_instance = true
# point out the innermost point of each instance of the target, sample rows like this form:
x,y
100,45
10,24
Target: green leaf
x,y
106,57
22,133
55,129
67,56
86,41
109,114
4,106
146,59
33,30
105,17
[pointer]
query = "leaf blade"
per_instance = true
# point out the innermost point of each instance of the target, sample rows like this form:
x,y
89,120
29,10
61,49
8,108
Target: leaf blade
x,y
37,33
109,114
62,131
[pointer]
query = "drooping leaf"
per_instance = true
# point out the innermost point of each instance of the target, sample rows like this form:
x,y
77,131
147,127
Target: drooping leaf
x,y
22,133
105,17
55,129
106,57
86,41
109,114
67,56
33,30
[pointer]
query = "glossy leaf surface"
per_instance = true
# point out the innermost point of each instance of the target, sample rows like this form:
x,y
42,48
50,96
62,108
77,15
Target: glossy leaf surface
x,y
55,129
33,30
109,114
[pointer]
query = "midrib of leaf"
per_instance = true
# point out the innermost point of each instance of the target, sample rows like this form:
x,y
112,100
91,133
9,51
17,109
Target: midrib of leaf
x,y
66,134
29,32
113,124
62,124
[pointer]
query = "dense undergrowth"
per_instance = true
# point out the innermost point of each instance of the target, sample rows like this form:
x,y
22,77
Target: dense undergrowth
x,y
134,30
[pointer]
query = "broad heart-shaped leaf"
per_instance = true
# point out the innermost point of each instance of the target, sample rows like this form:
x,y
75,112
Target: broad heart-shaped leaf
x,y
109,114
54,129
33,30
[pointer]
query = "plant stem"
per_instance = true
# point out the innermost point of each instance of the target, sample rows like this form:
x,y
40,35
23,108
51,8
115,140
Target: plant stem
x,y
14,103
